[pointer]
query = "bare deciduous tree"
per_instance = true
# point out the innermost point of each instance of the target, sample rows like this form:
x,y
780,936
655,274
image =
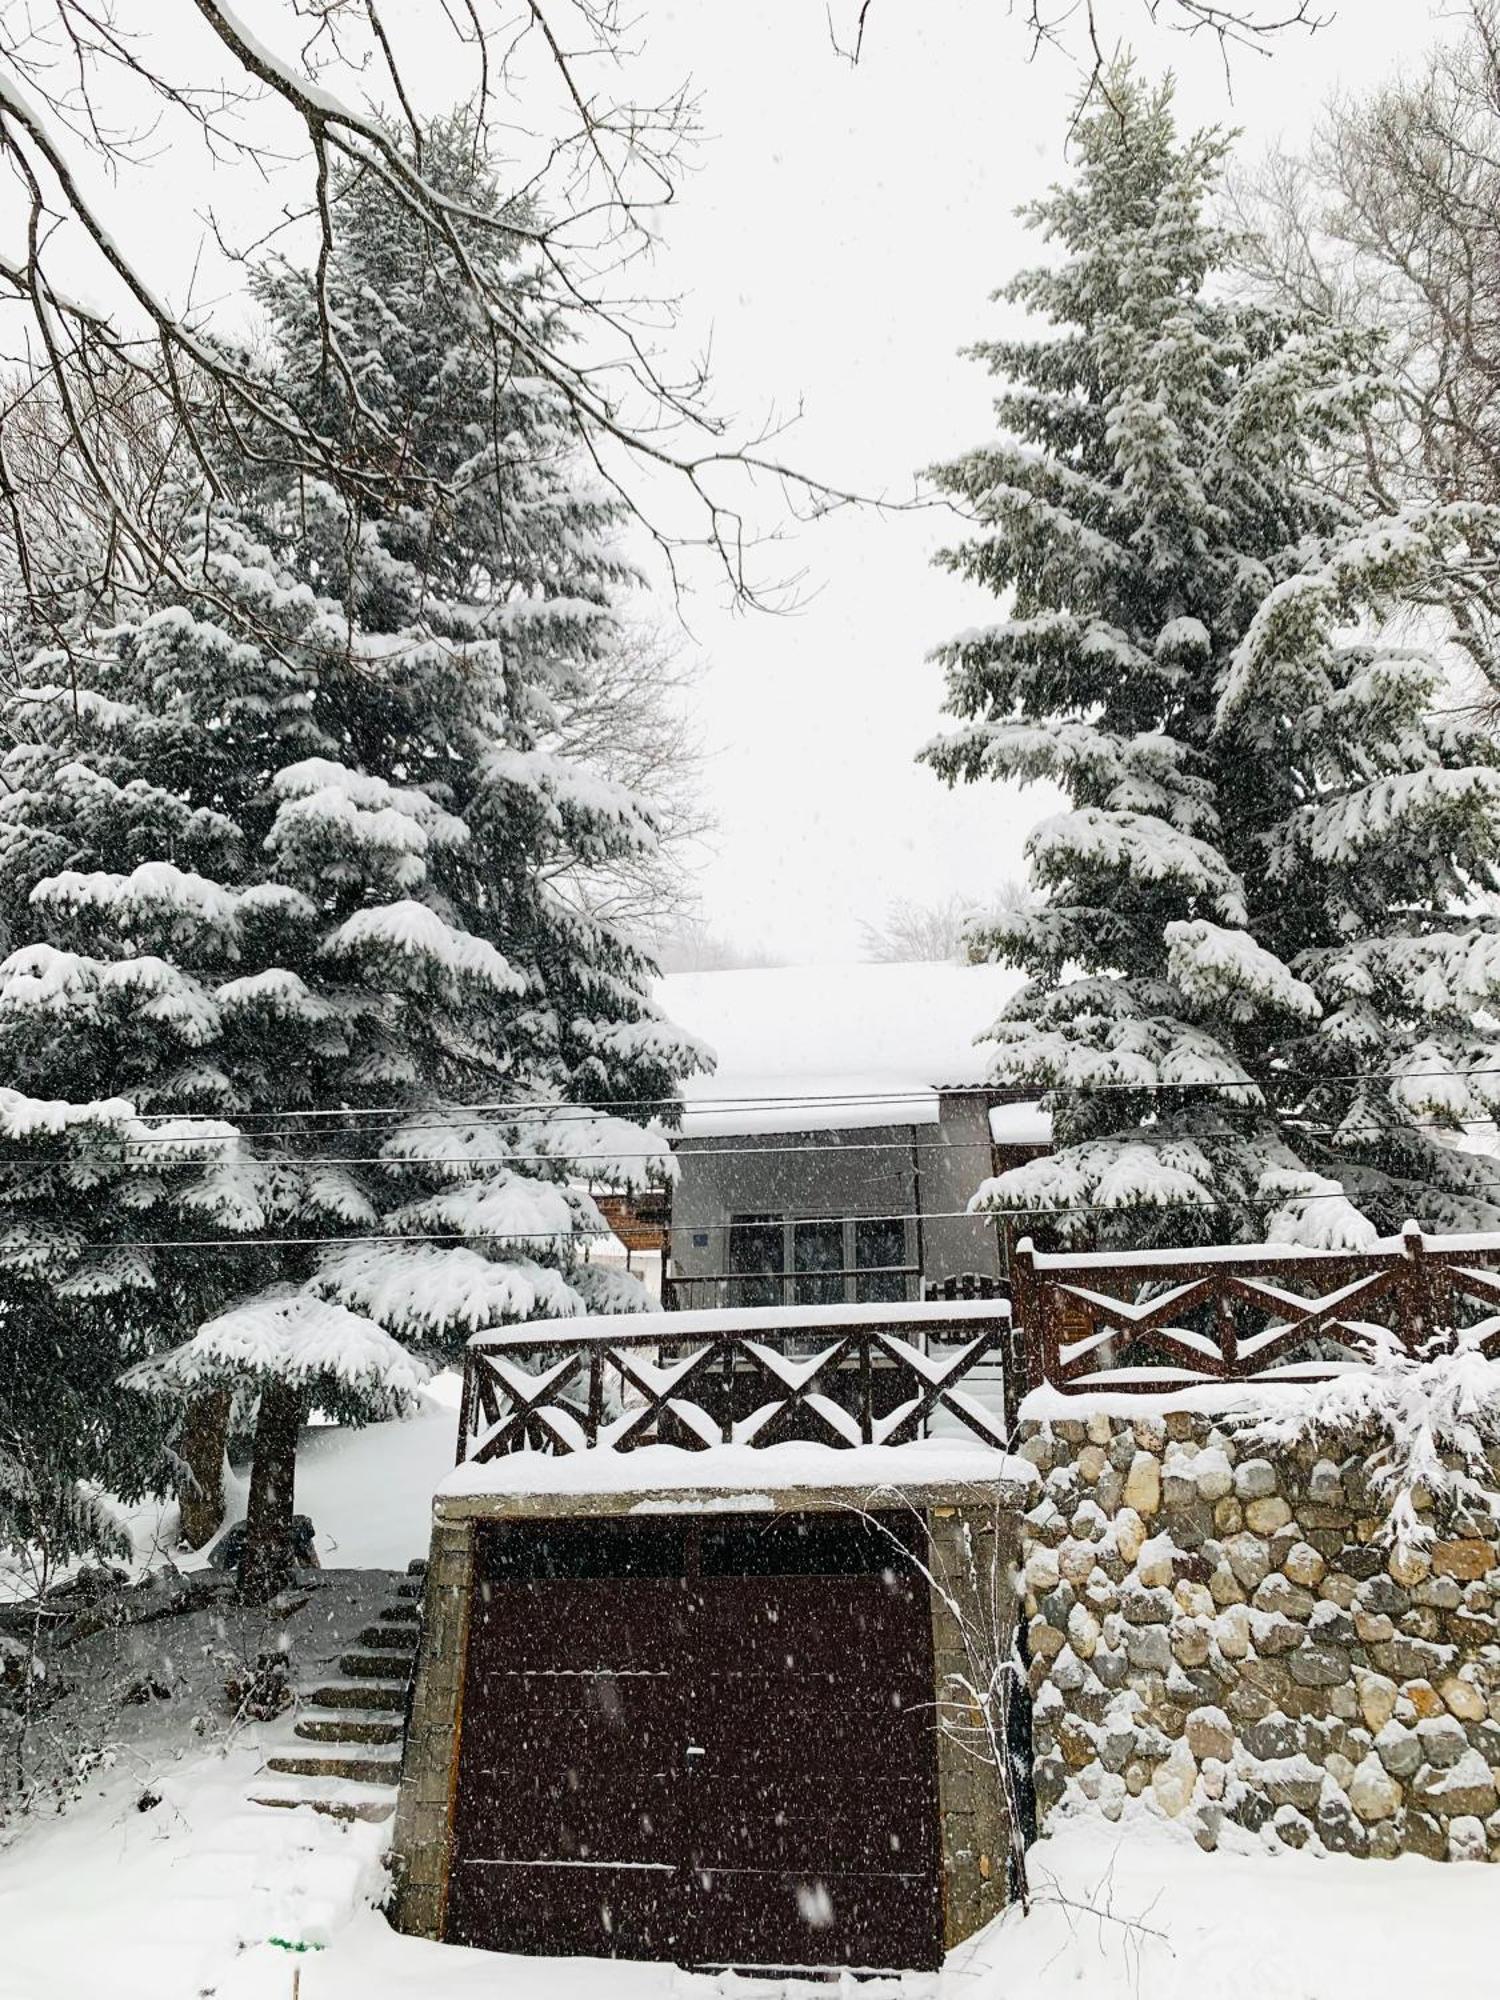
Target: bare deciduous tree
x,y
1391,220
915,933
630,720
1086,30
687,943
90,92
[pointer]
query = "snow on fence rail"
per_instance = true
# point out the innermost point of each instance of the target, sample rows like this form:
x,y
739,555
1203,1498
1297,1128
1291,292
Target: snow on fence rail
x,y
1157,1321
835,1375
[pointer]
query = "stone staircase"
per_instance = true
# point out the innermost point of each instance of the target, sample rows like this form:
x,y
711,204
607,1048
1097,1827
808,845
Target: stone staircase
x,y
345,1759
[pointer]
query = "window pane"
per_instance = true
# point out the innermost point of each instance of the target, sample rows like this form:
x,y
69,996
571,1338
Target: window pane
x,y
757,1257
818,1256
879,1241
877,1288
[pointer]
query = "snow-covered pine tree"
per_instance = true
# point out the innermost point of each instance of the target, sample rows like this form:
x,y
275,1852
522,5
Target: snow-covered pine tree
x,y
1260,993
317,886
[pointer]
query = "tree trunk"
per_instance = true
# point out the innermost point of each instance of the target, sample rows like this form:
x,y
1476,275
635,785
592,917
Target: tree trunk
x,y
267,1562
200,1500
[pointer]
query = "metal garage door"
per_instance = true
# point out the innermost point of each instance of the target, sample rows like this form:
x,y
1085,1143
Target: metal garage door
x,y
710,1741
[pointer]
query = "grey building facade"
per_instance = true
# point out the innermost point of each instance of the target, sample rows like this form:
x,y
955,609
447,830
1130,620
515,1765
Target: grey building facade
x,y
858,1214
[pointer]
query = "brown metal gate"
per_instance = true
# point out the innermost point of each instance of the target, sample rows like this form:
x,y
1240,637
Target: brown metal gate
x,y
709,1740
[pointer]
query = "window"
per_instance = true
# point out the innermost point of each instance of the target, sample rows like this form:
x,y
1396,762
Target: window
x,y
777,1260
818,1260
757,1258
879,1251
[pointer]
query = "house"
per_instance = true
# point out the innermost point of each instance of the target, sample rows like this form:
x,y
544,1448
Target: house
x,y
831,1156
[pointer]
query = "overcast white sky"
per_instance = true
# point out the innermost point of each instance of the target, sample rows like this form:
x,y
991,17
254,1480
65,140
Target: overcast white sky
x,y
838,241
843,233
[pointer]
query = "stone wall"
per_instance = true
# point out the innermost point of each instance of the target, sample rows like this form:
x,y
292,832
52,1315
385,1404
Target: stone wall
x,y
971,1553
421,1845
1223,1637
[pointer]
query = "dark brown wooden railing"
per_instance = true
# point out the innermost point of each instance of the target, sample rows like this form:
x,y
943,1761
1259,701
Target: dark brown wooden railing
x,y
735,1290
835,1375
844,1375
1155,1322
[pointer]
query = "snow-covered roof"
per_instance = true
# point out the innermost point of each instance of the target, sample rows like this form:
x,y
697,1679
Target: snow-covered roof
x,y
1024,1124
839,1046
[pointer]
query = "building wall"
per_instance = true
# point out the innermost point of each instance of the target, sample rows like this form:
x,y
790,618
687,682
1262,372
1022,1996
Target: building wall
x,y
930,1170
954,1242
1221,1636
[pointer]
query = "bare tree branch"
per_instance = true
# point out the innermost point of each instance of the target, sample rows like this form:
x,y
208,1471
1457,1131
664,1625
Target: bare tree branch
x,y
1391,220
1086,31
131,85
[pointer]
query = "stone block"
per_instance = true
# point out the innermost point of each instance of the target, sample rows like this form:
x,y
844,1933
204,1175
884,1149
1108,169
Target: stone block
x,y
1148,1647
1209,1733
1274,1736
1143,1484
1303,1565
1399,1749
1462,1788
1278,1593
1249,1558
1254,1479
1466,1560
1319,1666
1444,1741
1373,1792
1424,1835
1412,1659
1467,1840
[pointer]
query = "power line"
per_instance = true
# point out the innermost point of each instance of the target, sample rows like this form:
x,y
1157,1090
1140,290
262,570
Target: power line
x,y
460,1237
608,1156
581,1114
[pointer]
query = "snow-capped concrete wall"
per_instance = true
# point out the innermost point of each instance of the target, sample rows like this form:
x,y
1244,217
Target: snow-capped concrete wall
x,y
1224,1637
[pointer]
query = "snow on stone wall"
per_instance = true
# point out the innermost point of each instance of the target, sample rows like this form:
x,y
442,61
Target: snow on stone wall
x,y
1226,1640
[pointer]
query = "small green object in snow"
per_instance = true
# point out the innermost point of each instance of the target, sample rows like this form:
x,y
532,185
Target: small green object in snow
x,y
286,1944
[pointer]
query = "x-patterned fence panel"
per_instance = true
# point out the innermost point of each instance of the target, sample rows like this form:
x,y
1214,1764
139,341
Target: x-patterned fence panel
x,y
729,1379
1156,1322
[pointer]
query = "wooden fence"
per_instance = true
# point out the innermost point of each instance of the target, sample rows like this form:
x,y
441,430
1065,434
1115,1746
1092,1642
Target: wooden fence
x,y
1159,1321
837,1376
846,1375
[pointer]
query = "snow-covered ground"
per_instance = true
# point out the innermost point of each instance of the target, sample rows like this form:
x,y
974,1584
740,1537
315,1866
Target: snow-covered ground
x,y
183,1902
367,1492
183,1898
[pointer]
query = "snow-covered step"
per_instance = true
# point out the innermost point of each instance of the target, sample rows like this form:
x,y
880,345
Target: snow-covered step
x,y
348,1725
369,1764
377,1664
401,1614
383,1638
339,1798
365,1693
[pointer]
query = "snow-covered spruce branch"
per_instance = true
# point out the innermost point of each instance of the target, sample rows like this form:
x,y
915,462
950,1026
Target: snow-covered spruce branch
x,y
1433,1418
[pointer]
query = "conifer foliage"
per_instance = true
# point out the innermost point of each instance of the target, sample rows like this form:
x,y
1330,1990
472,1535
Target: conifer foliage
x,y
307,899
1258,991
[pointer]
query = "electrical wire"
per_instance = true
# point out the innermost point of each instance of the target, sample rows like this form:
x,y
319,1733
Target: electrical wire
x,y
716,1106
557,1235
